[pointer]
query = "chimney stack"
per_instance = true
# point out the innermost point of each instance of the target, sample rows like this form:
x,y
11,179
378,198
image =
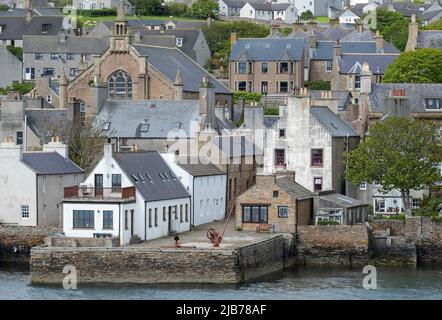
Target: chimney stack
x,y
57,146
379,41
233,38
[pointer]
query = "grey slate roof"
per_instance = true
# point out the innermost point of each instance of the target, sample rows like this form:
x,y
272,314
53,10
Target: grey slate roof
x,y
335,33
46,123
429,15
355,35
336,126
266,6
201,170
151,163
430,39
73,44
126,118
324,49
416,93
167,61
236,146
48,12
352,63
268,49
342,96
235,3
47,163
16,27
292,188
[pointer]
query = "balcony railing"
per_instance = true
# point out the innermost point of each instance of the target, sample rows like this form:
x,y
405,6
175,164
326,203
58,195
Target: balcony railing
x,y
86,192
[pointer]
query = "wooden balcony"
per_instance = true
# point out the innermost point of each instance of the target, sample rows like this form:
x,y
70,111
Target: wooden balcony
x,y
86,193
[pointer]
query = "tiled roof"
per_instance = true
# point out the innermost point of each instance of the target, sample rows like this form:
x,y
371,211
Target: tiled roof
x,y
268,49
200,170
168,60
154,179
430,39
48,163
16,27
336,126
352,63
292,188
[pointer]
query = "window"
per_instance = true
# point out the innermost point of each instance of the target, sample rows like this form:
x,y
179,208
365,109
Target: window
x,y
250,68
255,214
179,42
187,212
48,71
279,157
45,27
175,210
282,133
83,219
2,27
72,72
432,104
329,66
126,220
379,205
49,98
363,185
116,182
242,67
144,126
283,86
108,219
29,73
264,87
39,56
357,82
242,86
69,56
264,67
181,213
120,86
54,56
150,218
283,211
25,212
283,67
156,217
415,203
317,158
317,184
275,194
19,137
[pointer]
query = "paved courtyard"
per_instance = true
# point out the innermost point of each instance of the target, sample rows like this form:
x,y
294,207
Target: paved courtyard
x,y
197,238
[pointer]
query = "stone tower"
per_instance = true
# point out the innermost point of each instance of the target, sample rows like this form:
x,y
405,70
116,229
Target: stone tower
x,y
121,32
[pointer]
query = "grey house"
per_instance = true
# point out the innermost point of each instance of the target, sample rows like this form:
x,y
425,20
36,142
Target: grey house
x,y
49,55
102,4
33,193
11,68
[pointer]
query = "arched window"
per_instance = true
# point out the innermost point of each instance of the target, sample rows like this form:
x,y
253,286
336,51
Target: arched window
x,y
120,86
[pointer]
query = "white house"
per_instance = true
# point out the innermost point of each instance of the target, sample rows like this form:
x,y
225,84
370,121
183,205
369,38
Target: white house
x,y
285,12
127,194
101,4
348,17
207,185
229,8
31,183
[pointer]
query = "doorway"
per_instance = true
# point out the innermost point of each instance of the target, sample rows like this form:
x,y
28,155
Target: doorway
x,y
98,185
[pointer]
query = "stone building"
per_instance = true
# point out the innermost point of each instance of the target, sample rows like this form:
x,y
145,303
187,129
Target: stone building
x,y
267,66
422,38
128,71
31,191
11,68
275,203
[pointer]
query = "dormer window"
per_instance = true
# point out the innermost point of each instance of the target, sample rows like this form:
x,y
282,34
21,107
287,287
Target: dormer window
x,y
179,42
106,126
2,27
45,27
432,104
144,126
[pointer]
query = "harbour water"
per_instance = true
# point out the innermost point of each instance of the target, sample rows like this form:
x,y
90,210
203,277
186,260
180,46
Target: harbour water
x,y
298,283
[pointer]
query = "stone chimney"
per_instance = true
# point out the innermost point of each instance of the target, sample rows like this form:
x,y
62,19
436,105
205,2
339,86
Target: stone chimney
x,y
413,32
333,23
57,146
107,155
298,26
178,85
312,40
63,91
311,25
29,15
398,103
233,38
207,103
366,79
337,50
360,27
379,41
8,149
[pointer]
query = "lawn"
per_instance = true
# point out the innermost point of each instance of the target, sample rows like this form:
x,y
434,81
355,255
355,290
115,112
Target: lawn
x,y
92,21
322,19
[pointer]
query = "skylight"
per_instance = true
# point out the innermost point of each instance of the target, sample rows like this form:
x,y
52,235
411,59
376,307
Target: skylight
x,y
176,126
135,178
106,126
144,125
149,177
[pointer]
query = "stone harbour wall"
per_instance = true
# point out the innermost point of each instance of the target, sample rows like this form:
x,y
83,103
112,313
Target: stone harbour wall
x,y
16,242
151,265
332,245
62,241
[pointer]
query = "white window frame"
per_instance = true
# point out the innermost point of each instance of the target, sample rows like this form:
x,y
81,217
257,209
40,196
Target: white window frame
x,y
25,212
363,185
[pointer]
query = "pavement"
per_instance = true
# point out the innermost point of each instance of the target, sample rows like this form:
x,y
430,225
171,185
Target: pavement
x,y
197,238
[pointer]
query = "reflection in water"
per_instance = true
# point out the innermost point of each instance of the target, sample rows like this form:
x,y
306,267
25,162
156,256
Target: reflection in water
x,y
299,283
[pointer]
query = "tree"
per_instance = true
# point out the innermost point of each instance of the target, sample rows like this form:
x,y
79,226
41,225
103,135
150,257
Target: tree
x,y
306,15
436,25
319,85
4,7
420,66
16,51
86,140
148,7
393,26
203,9
23,88
400,153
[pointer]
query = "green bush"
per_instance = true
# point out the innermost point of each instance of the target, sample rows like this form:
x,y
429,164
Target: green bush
x,y
400,216
271,111
16,51
98,13
23,88
247,96
429,207
319,85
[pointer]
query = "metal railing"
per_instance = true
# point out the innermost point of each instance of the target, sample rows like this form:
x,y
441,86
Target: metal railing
x,y
86,192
